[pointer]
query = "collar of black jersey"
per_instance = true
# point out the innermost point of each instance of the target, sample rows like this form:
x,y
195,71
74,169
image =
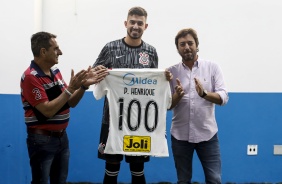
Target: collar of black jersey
x,y
130,45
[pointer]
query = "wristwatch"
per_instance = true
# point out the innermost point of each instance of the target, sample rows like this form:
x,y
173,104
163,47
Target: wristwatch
x,y
204,93
83,87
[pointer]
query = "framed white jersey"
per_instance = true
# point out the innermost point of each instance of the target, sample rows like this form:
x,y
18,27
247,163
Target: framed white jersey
x,y
138,103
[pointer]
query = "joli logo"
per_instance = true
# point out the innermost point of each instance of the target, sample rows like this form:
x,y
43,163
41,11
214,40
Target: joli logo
x,y
136,143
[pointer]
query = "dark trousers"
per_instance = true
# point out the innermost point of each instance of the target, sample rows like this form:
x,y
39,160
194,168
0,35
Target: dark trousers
x,y
49,157
209,156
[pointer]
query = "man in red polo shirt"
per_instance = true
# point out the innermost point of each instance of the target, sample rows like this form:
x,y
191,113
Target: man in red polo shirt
x,y
46,100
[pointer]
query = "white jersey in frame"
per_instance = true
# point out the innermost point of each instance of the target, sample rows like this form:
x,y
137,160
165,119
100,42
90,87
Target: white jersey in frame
x,y
138,103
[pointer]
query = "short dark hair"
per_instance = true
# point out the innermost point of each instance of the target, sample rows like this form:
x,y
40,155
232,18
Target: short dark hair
x,y
137,10
184,32
40,40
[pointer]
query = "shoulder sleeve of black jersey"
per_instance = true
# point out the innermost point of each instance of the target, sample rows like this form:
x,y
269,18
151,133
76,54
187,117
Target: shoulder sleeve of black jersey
x,y
155,62
154,59
103,58
153,55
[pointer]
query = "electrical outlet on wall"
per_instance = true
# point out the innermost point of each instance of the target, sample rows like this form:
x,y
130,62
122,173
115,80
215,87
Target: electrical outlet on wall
x,y
252,149
277,150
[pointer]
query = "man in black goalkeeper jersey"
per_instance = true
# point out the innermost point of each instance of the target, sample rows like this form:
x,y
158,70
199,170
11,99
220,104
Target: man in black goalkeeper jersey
x,y
128,52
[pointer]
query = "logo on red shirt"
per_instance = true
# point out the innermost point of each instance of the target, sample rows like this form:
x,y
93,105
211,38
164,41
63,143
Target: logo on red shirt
x,y
37,93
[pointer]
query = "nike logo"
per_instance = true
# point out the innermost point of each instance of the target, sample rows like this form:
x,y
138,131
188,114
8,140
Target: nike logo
x,y
119,56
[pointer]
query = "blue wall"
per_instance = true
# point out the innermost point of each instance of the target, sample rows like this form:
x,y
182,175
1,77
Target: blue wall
x,y
248,118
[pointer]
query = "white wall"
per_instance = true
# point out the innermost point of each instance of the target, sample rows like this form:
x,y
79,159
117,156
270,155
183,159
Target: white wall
x,y
16,20
243,36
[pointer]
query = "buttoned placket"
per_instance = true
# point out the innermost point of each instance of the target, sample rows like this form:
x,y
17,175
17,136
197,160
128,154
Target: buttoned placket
x,y
192,96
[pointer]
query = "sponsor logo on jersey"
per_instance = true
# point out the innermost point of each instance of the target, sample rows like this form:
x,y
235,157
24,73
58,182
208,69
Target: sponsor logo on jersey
x,y
144,58
136,143
130,79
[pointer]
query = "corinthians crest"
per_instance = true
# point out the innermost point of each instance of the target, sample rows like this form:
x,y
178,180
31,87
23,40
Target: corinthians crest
x,y
144,58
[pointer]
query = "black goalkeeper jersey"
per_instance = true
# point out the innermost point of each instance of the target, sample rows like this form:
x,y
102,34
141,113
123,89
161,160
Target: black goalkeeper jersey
x,y
117,54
